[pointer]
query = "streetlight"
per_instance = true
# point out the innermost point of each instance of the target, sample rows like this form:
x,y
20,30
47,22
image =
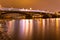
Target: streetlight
x,y
30,8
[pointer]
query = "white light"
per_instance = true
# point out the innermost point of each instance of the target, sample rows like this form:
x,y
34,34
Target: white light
x,y
26,9
11,8
13,20
30,8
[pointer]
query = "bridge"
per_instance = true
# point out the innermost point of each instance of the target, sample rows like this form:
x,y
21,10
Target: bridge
x,y
15,13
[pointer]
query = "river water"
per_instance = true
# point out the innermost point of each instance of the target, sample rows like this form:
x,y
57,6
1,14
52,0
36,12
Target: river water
x,y
34,29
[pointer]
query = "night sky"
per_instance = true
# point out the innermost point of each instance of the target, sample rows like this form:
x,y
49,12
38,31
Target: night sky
x,y
51,5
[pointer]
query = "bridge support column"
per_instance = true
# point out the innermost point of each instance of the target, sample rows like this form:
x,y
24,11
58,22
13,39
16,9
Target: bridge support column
x,y
47,16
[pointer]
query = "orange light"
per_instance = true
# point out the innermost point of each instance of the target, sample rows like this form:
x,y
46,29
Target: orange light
x,y
30,8
0,6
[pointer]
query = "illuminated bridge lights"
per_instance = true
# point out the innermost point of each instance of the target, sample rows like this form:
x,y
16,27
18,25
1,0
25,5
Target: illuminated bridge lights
x,y
24,13
15,9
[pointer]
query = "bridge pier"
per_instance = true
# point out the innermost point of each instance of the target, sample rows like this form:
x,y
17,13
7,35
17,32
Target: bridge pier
x,y
47,16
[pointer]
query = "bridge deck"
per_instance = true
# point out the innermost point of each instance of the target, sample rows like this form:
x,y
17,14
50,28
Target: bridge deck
x,y
24,12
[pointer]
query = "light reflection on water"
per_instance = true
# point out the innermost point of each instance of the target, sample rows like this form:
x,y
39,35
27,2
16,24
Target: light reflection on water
x,y
26,29
35,29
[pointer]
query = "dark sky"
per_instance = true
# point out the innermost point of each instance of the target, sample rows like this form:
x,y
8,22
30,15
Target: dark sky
x,y
51,5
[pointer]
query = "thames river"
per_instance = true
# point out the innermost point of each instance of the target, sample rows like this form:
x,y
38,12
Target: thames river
x,y
34,29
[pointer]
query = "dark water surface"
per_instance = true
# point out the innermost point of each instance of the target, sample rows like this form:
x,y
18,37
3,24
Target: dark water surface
x,y
34,29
